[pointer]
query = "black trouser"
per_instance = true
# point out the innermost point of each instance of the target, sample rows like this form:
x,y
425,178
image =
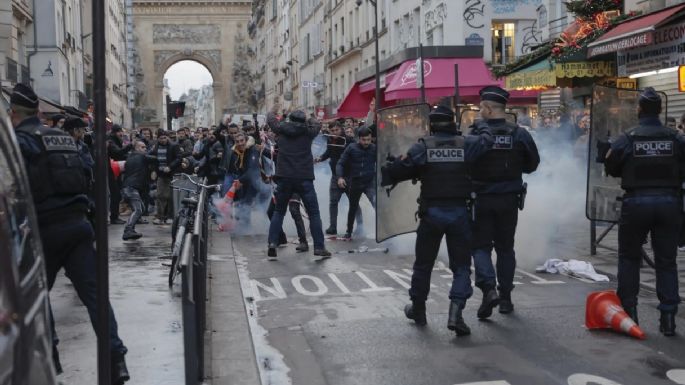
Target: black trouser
x,y
335,193
132,197
495,226
294,208
357,188
69,245
659,215
114,196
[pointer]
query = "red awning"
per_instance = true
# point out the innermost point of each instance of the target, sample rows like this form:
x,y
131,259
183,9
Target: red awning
x,y
370,85
355,104
439,81
637,32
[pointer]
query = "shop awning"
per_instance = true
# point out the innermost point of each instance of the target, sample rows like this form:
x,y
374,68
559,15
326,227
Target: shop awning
x,y
370,85
536,76
439,81
633,33
355,104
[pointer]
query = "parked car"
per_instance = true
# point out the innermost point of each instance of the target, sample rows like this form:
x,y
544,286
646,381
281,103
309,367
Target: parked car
x,y
25,335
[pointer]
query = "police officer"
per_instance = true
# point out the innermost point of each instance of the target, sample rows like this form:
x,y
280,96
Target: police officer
x,y
441,163
648,159
58,187
499,186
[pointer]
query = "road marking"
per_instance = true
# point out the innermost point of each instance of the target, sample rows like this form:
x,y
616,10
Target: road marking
x,y
339,283
586,379
537,280
372,286
277,290
500,382
399,278
677,376
321,288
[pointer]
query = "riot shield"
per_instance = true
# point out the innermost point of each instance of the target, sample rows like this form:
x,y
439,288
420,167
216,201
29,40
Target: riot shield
x,y
398,129
613,112
469,117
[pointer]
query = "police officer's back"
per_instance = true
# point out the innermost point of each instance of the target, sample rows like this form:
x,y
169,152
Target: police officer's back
x,y
499,185
57,177
648,159
441,163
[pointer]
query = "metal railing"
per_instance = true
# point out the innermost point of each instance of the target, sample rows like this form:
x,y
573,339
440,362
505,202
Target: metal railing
x,y
194,292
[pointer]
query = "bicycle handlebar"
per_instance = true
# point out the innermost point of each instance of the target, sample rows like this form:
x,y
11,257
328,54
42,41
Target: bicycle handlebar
x,y
216,187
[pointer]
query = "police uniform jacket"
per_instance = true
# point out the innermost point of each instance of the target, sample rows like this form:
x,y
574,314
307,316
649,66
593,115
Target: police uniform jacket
x,y
525,149
648,156
65,177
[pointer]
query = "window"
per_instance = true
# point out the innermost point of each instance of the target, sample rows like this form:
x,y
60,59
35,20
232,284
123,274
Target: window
x,y
502,43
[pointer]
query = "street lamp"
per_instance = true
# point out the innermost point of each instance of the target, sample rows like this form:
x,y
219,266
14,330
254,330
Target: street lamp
x,y
378,63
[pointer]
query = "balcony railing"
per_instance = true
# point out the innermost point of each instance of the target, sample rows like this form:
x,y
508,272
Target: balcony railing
x,y
12,71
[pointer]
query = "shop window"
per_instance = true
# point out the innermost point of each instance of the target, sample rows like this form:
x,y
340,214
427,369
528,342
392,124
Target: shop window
x,y
503,43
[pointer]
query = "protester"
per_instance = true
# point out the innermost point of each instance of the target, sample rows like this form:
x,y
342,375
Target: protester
x,y
117,151
242,163
135,179
168,157
360,159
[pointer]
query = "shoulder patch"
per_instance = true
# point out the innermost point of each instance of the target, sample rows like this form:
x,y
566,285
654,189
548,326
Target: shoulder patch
x,y
59,143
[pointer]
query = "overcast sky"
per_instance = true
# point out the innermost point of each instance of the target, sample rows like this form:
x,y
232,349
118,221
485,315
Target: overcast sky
x,y
185,75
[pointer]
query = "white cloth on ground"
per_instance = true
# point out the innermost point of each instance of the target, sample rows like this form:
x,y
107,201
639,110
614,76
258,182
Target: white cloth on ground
x,y
572,267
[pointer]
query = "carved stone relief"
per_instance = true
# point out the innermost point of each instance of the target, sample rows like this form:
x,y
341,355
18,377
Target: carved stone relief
x,y
212,55
186,34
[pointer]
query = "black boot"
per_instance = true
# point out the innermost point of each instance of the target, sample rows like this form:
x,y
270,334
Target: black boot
x,y
505,305
331,231
490,301
302,247
632,313
271,254
119,370
130,234
455,322
667,323
417,312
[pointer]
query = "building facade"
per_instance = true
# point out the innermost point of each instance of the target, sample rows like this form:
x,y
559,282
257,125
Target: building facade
x,y
16,26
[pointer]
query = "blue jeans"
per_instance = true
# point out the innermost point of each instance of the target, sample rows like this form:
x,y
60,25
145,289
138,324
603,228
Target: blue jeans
x,y
285,188
228,181
69,245
495,226
660,216
452,222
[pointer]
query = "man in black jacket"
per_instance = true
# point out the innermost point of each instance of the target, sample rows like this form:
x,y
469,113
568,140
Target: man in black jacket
x,y
295,174
135,179
360,159
337,143
117,152
243,162
169,158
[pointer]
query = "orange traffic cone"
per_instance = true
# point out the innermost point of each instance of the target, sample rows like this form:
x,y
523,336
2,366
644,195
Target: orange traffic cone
x,y
224,207
230,194
603,311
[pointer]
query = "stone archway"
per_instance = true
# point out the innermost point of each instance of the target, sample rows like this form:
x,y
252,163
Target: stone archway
x,y
168,32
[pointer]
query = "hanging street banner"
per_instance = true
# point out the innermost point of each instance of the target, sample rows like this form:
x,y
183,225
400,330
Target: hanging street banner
x,y
667,51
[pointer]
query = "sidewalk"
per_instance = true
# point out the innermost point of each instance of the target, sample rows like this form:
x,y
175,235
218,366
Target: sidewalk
x,y
148,313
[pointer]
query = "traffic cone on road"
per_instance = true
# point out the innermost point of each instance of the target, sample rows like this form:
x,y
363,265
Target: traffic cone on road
x,y
117,167
224,207
603,311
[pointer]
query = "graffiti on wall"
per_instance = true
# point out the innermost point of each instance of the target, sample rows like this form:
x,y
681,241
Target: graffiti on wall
x,y
532,37
473,13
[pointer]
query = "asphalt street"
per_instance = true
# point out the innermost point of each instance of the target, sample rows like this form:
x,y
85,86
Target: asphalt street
x,y
340,322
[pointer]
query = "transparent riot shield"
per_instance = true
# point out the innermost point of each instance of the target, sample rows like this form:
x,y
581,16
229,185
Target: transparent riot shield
x,y
470,116
613,112
398,129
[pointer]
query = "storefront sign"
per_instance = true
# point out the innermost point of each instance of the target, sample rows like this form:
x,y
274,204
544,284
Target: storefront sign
x,y
531,79
638,40
681,78
667,51
584,69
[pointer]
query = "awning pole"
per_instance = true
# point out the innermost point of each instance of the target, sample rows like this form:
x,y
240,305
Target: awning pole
x,y
456,90
423,80
101,206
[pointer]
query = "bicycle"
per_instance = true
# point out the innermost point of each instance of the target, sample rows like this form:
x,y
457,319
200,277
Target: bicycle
x,y
184,220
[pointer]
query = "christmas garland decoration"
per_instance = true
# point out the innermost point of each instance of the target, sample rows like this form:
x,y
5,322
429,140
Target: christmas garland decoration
x,y
593,19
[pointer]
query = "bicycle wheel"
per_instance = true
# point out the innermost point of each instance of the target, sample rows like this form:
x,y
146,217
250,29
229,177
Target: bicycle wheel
x,y
177,246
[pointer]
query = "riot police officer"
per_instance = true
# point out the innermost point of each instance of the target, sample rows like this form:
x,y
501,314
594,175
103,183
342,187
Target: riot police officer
x,y
648,159
58,187
501,192
440,162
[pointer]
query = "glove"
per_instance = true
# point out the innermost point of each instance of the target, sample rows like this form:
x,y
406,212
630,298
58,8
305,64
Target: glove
x,y
603,147
386,179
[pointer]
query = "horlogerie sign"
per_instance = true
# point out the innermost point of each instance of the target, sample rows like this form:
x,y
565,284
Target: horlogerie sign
x,y
666,51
